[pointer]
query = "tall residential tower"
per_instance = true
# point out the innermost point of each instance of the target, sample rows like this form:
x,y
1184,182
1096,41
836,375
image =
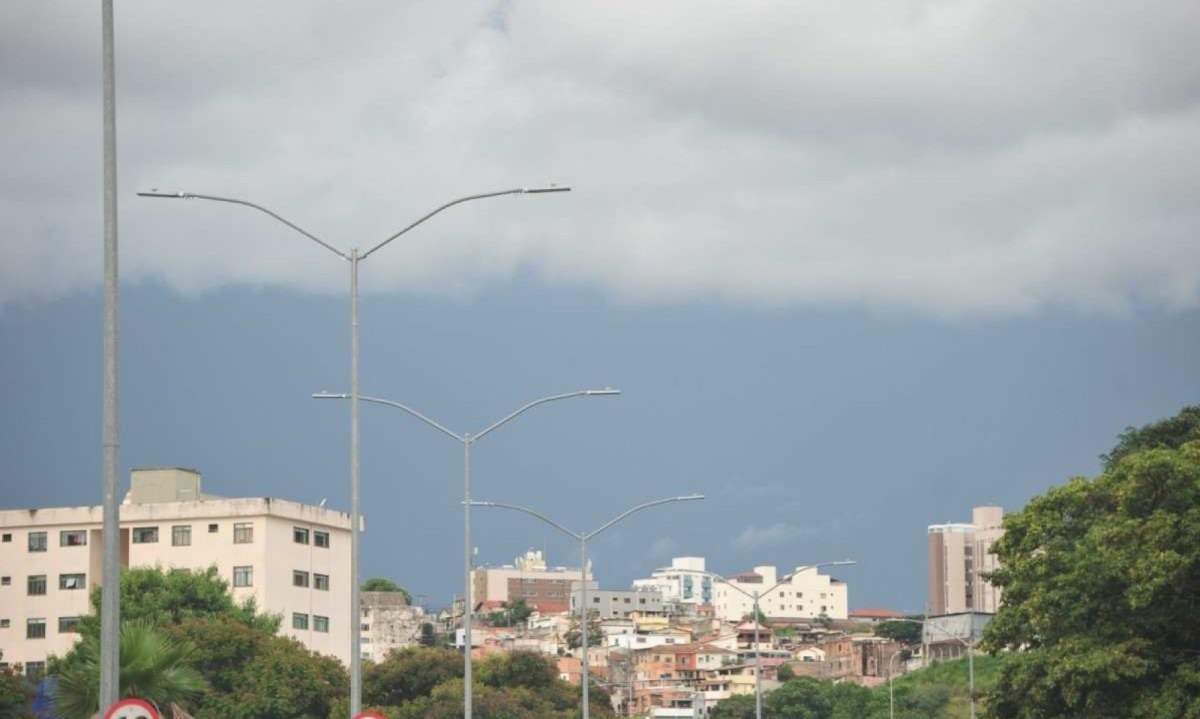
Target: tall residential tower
x,y
959,557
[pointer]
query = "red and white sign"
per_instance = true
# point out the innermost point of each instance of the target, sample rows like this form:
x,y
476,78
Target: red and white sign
x,y
131,708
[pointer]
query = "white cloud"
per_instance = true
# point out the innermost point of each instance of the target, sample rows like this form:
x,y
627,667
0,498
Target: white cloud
x,y
779,533
948,158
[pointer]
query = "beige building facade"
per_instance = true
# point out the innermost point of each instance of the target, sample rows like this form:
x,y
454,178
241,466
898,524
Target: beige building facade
x,y
526,578
292,559
807,594
959,558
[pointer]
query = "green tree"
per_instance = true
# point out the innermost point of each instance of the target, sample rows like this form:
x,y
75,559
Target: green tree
x,y
256,675
1100,579
16,694
735,707
1170,433
161,596
153,666
904,632
378,584
801,698
409,673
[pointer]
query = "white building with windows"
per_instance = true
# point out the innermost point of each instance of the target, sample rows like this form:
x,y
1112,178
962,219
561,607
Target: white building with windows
x,y
684,582
292,559
807,594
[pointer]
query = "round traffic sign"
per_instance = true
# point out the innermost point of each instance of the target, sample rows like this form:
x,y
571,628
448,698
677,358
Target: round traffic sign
x,y
132,708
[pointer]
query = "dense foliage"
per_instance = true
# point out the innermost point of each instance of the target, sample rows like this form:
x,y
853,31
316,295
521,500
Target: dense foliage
x,y
1101,579
189,617
938,692
16,694
423,683
378,584
153,666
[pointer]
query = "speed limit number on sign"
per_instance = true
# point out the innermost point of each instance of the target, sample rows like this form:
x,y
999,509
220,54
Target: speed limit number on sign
x,y
131,708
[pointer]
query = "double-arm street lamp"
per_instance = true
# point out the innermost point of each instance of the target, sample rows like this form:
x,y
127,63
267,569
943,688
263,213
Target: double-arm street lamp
x,y
583,538
354,257
757,595
467,440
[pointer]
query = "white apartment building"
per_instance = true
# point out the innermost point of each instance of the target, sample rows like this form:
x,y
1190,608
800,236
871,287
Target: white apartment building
x,y
684,582
292,559
807,594
959,557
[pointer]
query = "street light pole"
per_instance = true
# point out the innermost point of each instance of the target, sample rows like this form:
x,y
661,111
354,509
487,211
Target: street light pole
x,y
354,257
468,440
110,588
755,598
583,538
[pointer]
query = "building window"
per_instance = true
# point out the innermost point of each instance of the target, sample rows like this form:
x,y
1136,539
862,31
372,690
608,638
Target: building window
x,y
5,581
243,576
321,539
35,671
321,581
299,578
7,537
299,535
243,532
35,629
145,535
4,623
72,538
36,585
71,581
37,541
212,528
181,535
320,624
68,625
299,621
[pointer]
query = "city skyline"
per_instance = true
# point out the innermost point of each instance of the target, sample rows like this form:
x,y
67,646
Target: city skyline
x,y
855,271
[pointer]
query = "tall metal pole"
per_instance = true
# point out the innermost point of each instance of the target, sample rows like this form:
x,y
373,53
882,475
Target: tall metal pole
x,y
467,440
110,593
354,257
355,507
583,624
971,660
757,664
468,594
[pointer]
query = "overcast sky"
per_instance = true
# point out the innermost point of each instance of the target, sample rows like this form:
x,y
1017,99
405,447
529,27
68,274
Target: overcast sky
x,y
857,266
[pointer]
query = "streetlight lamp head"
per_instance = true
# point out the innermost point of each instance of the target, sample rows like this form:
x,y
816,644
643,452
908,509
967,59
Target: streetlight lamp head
x,y
687,497
541,190
601,392
329,395
169,195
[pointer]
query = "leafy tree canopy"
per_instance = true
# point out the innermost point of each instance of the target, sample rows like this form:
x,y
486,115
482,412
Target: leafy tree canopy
x,y
1170,433
1100,579
161,596
256,675
153,666
16,694
408,674
904,632
378,584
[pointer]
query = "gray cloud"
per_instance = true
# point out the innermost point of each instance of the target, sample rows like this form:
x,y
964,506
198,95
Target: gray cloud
x,y
944,158
753,538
